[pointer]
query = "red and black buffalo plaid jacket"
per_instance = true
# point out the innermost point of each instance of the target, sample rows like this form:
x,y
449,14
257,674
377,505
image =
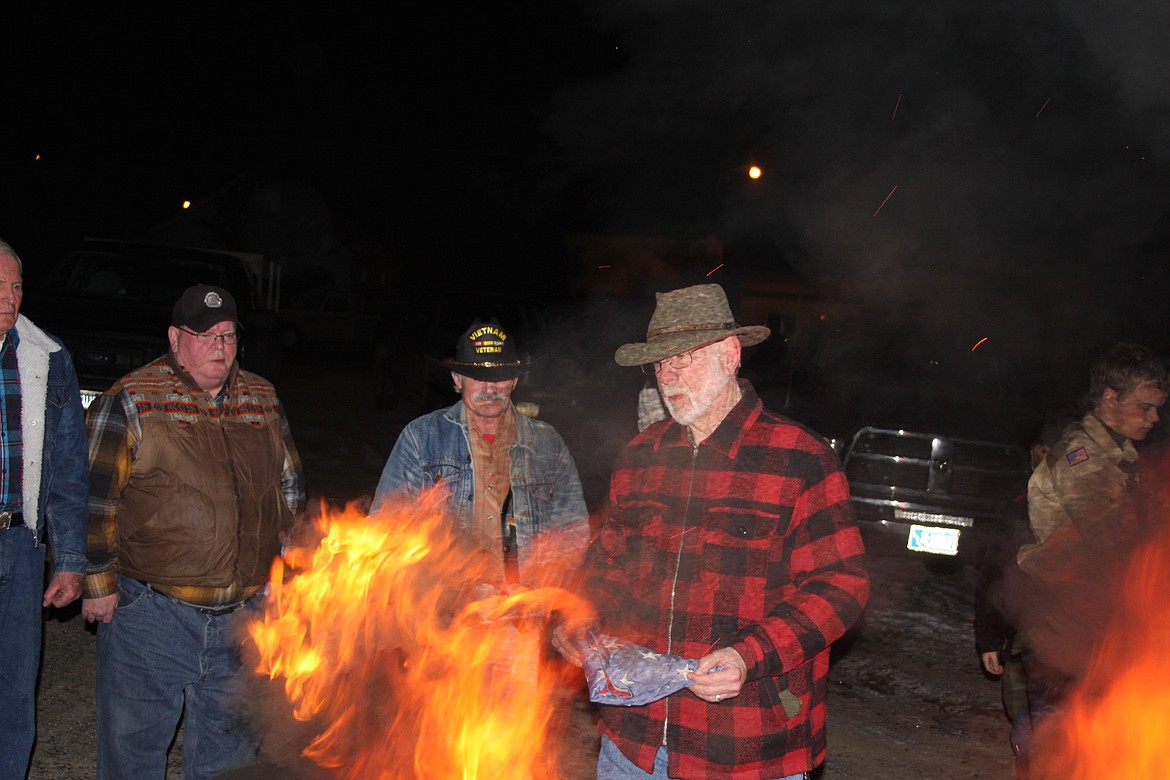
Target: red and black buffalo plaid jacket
x,y
747,541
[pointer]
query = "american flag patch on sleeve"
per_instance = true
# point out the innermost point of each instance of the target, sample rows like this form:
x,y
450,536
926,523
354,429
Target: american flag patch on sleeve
x,y
1077,456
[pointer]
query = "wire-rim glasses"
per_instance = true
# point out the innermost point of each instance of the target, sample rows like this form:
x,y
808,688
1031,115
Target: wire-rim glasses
x,y
207,339
679,361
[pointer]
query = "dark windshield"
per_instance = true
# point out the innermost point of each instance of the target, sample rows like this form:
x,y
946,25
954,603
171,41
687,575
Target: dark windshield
x,y
110,275
840,376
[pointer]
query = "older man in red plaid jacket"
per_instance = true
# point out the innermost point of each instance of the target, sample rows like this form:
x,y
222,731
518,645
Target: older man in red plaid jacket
x,y
729,539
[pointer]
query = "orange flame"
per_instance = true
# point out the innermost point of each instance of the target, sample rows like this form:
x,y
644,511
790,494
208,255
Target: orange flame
x,y
1117,722
400,658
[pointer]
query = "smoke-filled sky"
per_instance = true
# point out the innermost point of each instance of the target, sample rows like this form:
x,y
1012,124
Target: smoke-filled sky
x,y
1023,143
1015,133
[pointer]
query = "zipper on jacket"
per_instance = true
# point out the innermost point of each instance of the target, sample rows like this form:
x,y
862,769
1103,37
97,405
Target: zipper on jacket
x,y
682,538
227,451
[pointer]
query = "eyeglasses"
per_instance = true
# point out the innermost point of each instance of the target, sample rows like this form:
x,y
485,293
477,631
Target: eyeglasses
x,y
677,362
231,338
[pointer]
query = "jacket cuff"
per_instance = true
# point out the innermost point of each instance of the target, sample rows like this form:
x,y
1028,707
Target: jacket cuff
x,y
99,584
69,564
752,654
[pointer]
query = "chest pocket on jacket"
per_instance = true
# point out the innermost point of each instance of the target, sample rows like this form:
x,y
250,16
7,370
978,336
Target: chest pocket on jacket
x,y
440,474
737,549
645,534
56,394
57,398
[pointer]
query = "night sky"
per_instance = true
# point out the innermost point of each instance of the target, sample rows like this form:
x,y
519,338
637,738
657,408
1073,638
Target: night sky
x,y
402,121
1015,152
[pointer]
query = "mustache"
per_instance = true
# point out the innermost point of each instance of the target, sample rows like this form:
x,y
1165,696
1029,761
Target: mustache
x,y
488,397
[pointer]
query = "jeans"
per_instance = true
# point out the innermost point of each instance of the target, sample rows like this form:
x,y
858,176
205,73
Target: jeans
x,y
155,659
22,586
612,765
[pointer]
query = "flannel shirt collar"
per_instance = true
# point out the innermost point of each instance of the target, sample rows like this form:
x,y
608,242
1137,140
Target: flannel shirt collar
x,y
727,438
10,339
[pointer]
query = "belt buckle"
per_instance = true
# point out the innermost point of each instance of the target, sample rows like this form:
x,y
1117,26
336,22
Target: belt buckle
x,y
6,520
224,609
217,611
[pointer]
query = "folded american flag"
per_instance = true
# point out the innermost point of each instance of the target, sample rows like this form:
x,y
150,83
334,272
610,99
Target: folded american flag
x,y
621,672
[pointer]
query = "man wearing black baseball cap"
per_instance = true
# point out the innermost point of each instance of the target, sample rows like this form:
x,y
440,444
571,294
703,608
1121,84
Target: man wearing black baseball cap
x,y
194,480
507,476
208,316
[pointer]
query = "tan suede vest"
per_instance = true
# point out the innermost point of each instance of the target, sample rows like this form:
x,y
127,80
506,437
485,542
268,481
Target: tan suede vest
x,y
204,504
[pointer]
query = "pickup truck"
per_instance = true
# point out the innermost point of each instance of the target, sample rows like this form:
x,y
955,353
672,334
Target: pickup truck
x,y
931,426
931,493
110,302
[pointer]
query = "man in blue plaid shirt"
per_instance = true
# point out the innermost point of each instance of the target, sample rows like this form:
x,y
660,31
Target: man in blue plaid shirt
x,y
42,498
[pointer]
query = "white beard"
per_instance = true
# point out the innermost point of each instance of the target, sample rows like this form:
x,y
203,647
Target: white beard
x,y
701,400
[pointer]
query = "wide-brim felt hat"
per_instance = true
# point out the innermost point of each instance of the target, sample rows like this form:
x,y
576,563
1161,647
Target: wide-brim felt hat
x,y
487,352
687,319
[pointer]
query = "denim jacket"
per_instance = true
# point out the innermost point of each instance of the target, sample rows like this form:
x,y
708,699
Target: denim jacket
x,y
55,452
434,450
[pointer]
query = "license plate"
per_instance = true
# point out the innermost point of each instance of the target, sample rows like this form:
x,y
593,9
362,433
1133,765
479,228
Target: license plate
x,y
928,539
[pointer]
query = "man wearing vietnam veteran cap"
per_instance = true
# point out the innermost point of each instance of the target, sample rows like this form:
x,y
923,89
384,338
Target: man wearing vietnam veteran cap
x,y
729,539
508,477
194,481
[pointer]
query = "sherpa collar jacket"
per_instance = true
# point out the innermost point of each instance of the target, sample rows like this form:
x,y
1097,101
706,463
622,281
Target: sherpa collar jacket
x,y
53,445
